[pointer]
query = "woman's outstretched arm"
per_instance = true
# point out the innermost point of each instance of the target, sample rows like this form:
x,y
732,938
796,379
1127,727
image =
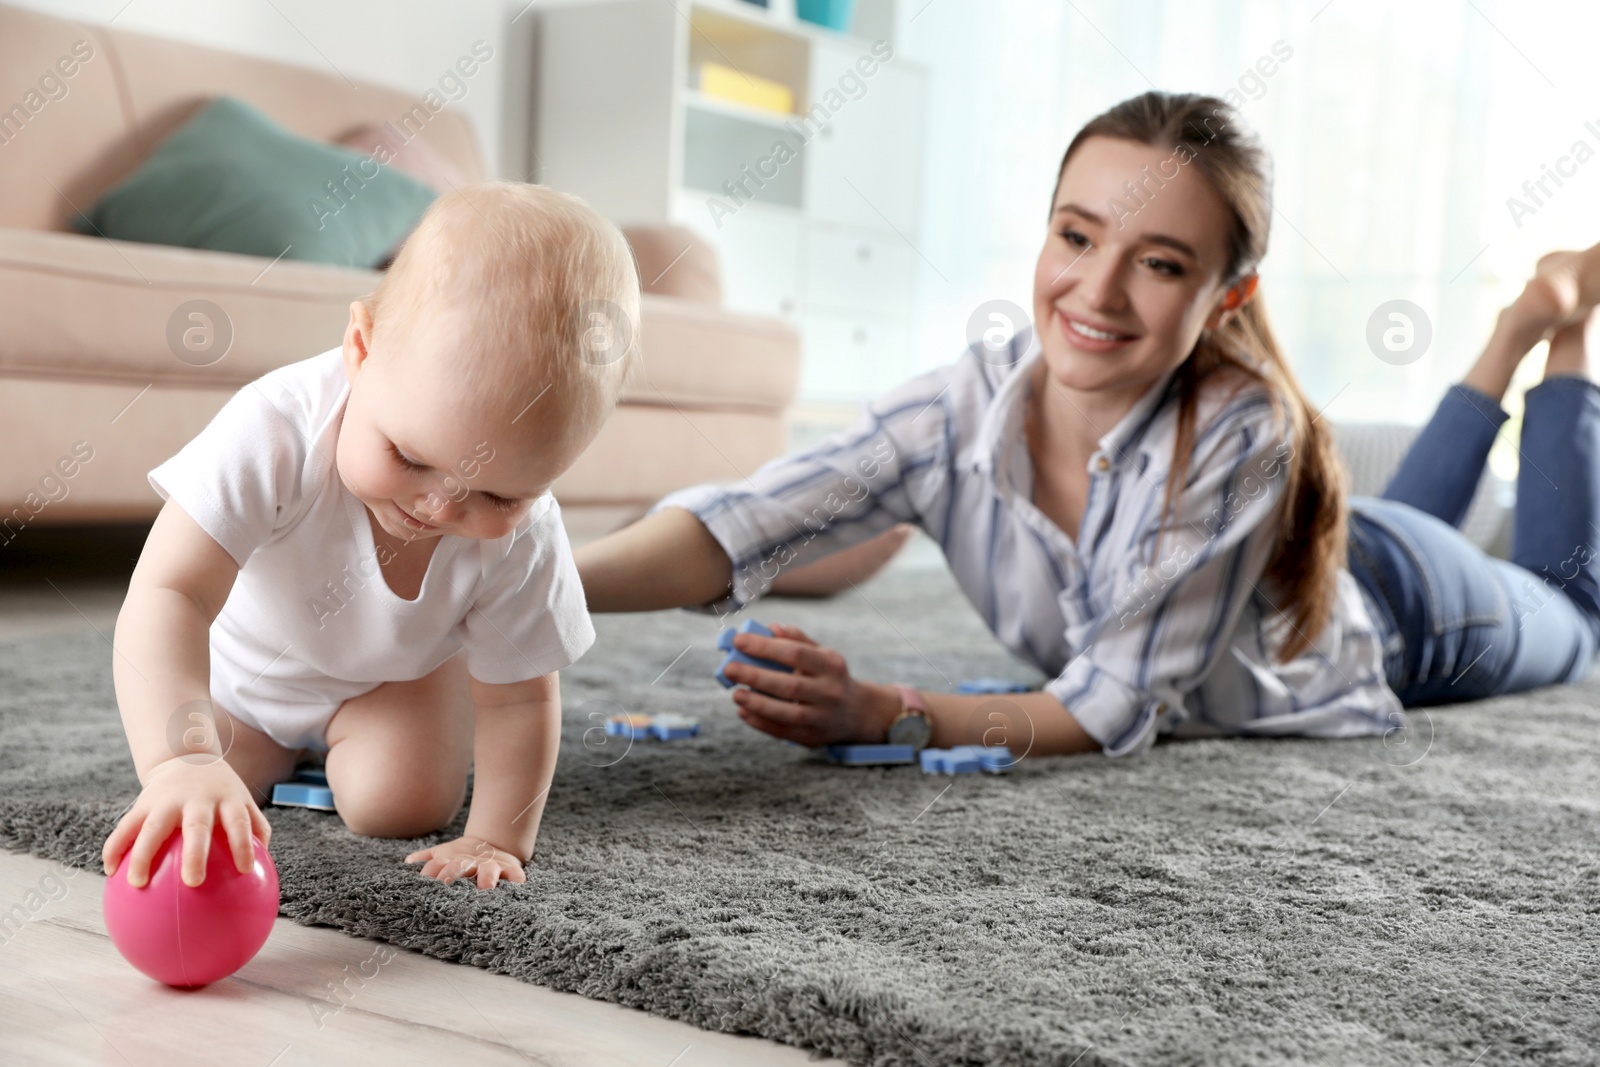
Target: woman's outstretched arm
x,y
665,560
820,703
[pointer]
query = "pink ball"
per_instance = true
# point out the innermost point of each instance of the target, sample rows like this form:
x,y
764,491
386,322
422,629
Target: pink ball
x,y
192,936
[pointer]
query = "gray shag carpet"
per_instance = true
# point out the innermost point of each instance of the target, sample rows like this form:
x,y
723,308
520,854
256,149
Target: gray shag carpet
x,y
1432,900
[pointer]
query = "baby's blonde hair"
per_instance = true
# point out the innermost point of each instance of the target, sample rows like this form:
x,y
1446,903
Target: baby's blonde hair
x,y
553,294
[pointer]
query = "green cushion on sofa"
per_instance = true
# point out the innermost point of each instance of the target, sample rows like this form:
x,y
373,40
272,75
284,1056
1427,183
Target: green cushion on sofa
x,y
232,180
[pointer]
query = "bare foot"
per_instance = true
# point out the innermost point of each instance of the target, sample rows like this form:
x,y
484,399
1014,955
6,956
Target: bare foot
x,y
1565,285
1560,295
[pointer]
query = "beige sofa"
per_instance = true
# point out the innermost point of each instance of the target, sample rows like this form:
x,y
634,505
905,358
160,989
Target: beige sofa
x,y
91,393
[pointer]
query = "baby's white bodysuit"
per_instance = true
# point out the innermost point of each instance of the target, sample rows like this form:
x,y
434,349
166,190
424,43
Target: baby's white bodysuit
x,y
310,621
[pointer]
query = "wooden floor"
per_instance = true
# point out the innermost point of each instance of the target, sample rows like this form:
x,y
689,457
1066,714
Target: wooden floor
x,y
313,995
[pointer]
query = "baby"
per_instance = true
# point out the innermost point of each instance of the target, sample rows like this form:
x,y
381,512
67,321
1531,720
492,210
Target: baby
x,y
348,524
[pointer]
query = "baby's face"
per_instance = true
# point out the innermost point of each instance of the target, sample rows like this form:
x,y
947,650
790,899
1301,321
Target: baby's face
x,y
414,451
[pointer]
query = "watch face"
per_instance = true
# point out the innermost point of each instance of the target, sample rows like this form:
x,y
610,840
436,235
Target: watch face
x,y
912,728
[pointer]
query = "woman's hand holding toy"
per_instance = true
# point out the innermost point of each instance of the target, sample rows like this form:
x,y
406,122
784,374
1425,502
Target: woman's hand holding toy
x,y
819,704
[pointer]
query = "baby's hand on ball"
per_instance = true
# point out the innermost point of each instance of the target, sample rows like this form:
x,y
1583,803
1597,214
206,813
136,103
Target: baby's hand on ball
x,y
194,793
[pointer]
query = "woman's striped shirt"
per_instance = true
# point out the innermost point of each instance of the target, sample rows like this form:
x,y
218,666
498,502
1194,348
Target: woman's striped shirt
x,y
1138,645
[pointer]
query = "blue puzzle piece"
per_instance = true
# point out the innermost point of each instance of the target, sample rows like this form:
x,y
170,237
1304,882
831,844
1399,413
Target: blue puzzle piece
x,y
870,755
660,727
300,795
725,642
997,759
674,727
992,685
967,759
311,776
959,760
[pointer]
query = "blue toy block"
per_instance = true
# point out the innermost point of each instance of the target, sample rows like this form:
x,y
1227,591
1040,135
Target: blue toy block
x,y
992,685
871,755
997,759
967,759
958,760
725,642
300,795
311,776
674,727
660,727
633,727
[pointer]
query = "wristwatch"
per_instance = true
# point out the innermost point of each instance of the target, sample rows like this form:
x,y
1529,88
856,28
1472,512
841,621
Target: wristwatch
x,y
912,726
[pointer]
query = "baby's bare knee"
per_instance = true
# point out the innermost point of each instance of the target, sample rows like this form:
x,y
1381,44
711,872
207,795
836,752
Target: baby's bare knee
x,y
378,808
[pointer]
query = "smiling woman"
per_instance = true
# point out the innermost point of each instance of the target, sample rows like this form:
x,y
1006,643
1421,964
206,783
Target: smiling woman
x,y
1139,500
1173,290
1150,390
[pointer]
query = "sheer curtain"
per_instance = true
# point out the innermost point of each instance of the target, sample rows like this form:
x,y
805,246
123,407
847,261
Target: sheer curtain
x,y
1398,131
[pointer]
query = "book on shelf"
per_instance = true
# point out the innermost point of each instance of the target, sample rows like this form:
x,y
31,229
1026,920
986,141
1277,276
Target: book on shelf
x,y
721,82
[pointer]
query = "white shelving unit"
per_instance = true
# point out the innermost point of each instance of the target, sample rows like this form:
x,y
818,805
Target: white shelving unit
x,y
824,236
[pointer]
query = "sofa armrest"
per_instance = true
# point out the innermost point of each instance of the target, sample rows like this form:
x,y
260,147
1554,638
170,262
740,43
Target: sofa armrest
x,y
676,261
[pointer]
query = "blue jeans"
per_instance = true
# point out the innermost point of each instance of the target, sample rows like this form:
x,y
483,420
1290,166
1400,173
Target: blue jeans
x,y
1471,625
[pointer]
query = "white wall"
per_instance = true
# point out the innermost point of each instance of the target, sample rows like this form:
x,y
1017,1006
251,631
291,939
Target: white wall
x,y
405,44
